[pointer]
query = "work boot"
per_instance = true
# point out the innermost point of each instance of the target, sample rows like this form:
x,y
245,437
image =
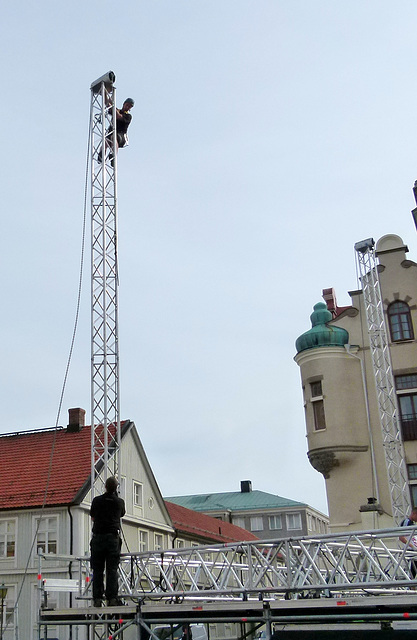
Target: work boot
x,y
115,602
97,602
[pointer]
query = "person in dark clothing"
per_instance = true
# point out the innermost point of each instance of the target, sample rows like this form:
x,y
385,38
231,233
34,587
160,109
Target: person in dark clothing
x,y
123,120
106,512
411,542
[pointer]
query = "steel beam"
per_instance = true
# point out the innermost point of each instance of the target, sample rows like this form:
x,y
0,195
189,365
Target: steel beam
x,y
105,391
384,380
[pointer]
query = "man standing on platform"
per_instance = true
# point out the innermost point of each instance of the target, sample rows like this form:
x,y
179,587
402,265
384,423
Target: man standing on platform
x,y
106,512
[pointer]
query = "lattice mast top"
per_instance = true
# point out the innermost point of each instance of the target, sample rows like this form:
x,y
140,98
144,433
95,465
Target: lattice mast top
x,y
105,403
384,380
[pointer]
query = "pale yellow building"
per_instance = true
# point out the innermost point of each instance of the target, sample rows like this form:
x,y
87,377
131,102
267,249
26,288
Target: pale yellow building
x,y
344,433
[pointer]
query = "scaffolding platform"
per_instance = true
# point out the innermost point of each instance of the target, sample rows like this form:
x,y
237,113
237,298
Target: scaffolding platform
x,y
355,576
324,611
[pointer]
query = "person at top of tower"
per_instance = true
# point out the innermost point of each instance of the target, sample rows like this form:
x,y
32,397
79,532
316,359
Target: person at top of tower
x,y
123,120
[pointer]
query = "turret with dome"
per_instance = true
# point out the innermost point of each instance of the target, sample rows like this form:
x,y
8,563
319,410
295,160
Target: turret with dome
x,y
320,334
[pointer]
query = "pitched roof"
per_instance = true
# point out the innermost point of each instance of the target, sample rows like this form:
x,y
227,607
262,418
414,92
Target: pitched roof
x,y
196,524
234,501
32,461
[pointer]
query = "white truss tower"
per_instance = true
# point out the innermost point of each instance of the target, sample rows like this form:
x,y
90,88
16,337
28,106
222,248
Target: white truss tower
x,y
105,406
384,380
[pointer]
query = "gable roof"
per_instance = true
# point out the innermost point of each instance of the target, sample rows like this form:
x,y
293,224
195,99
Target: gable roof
x,y
200,525
55,459
234,501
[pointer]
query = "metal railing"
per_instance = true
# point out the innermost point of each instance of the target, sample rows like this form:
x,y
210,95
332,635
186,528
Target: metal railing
x,y
354,562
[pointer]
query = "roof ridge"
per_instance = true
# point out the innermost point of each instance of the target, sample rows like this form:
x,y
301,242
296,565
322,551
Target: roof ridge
x,y
30,431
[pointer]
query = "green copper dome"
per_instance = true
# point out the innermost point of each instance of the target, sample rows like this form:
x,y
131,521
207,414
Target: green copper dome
x,y
320,335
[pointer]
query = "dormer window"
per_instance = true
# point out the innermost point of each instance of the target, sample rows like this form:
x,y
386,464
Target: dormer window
x,y
399,317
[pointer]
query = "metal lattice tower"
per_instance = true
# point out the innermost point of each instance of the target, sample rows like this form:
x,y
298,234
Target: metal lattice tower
x,y
384,380
105,405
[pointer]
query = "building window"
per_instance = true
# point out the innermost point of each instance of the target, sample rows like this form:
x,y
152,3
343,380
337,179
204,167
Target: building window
x,y
7,607
256,524
143,541
316,389
407,401
9,610
399,317
180,544
239,522
275,522
47,534
406,382
413,489
7,538
293,521
121,489
138,494
412,471
318,405
159,541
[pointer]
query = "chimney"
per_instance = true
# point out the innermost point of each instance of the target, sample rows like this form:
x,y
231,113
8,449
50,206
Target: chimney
x,y
245,486
329,296
76,420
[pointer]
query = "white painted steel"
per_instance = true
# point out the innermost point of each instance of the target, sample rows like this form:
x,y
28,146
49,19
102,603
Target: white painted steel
x,y
316,572
105,392
384,381
362,562
359,562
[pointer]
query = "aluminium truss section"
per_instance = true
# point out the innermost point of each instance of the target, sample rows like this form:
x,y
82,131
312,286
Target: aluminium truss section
x,y
384,380
343,563
237,578
105,405
357,563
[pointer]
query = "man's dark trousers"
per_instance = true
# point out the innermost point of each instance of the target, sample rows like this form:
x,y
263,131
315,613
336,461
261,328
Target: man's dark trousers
x,y
105,552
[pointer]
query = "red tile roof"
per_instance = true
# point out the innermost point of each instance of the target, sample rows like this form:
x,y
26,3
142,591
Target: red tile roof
x,y
29,458
195,524
57,463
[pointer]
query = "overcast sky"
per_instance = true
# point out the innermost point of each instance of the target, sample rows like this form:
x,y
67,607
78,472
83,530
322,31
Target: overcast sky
x,y
268,137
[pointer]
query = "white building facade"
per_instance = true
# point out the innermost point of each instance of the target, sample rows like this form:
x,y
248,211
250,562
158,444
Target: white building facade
x,y
58,523
344,433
